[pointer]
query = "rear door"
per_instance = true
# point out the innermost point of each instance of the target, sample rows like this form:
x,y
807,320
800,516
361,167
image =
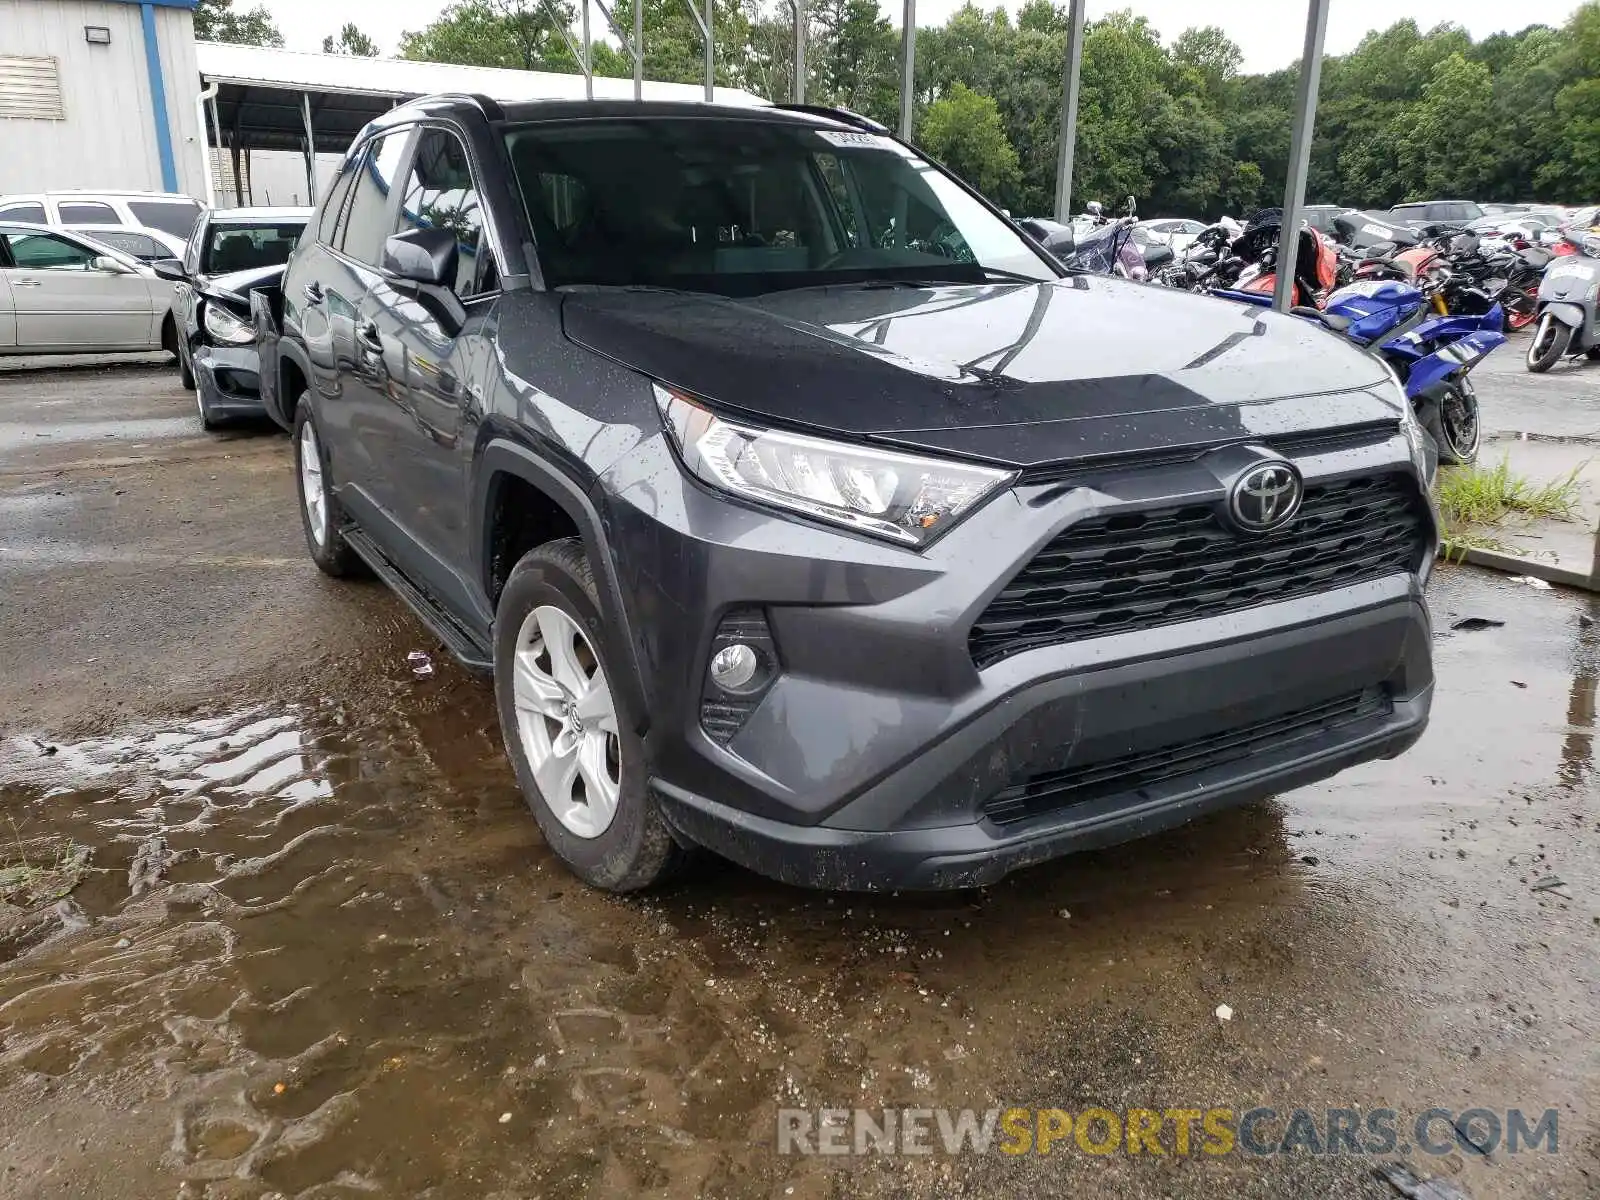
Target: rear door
x,y
61,302
359,378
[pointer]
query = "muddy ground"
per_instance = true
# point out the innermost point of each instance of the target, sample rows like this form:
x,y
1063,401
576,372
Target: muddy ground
x,y
316,947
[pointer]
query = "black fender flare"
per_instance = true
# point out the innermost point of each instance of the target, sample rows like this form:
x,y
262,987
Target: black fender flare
x,y
292,351
502,456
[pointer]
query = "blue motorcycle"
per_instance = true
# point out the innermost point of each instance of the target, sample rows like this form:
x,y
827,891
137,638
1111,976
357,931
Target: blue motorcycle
x,y
1432,355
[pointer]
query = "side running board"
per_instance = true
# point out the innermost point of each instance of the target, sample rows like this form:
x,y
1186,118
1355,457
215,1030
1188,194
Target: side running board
x,y
457,639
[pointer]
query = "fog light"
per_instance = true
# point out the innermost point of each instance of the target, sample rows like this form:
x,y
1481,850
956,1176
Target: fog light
x,y
741,668
733,667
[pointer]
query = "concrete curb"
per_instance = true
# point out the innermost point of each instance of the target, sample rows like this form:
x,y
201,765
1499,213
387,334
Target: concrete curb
x,y
1516,564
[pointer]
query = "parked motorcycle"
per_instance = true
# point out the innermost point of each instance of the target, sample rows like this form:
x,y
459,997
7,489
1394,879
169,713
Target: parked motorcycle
x,y
1109,249
1434,356
1316,264
1566,309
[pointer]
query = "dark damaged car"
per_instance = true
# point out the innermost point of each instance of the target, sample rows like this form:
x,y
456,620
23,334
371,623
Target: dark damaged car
x,y
232,256
805,511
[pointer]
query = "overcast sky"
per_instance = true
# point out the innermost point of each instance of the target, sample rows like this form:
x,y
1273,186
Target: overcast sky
x,y
1270,32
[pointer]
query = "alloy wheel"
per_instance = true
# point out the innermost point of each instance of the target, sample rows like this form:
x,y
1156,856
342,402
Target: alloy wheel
x,y
311,489
567,721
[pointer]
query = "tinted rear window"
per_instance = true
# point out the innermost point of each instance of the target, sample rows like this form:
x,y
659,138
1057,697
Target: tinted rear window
x,y
83,212
130,241
33,213
176,217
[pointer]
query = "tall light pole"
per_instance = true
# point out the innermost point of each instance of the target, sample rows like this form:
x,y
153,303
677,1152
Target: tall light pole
x,y
1071,75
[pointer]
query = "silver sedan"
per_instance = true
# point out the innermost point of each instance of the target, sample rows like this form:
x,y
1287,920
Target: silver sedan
x,y
62,293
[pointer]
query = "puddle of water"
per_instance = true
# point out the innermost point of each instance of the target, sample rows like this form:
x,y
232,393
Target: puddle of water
x,y
328,940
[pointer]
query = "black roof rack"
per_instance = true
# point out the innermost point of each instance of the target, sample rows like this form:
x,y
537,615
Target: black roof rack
x,y
843,115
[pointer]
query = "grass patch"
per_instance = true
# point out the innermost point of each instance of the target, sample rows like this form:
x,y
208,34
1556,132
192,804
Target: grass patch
x,y
40,870
1487,495
1474,500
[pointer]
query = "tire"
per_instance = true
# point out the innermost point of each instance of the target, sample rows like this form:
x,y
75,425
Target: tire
x,y
1454,425
329,550
1550,341
548,599
1592,353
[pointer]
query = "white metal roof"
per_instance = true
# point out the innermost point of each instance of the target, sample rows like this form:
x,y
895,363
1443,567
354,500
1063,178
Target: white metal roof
x,y
246,216
254,66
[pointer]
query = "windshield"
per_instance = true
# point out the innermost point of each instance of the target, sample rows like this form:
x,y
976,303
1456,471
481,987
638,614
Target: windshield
x,y
741,207
244,247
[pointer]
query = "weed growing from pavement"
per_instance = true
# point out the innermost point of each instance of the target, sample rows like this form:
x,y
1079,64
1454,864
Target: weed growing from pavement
x,y
1475,499
40,870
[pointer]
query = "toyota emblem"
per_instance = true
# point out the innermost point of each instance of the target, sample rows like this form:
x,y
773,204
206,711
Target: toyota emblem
x,y
1266,497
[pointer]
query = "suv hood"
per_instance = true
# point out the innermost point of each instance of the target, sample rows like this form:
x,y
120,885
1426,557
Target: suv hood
x,y
1018,374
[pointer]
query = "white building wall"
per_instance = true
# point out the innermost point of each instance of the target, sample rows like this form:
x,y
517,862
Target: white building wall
x,y
108,137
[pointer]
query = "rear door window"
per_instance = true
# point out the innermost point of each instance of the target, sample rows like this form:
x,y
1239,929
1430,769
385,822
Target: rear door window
x,y
371,216
87,212
176,217
130,241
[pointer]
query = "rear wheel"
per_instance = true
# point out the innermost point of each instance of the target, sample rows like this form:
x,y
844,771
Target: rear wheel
x,y
569,734
1550,341
1454,425
320,513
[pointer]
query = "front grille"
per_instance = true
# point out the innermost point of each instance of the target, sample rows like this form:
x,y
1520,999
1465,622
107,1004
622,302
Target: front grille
x,y
1129,773
1137,570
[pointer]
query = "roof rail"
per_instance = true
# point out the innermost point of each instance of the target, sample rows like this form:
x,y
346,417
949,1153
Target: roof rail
x,y
491,108
843,115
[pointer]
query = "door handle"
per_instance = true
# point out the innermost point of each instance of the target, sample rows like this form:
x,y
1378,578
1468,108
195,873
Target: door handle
x,y
313,293
24,283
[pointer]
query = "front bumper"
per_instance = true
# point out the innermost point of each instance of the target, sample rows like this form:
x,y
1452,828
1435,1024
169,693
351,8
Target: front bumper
x,y
875,760
229,379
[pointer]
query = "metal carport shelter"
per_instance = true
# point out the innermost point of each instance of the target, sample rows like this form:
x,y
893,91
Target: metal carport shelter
x,y
263,99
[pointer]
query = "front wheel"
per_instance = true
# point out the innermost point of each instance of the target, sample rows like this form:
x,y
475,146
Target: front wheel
x,y
1550,342
573,743
1454,425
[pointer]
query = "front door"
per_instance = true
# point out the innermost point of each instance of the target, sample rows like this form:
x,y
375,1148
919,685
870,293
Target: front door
x,y
428,355
63,302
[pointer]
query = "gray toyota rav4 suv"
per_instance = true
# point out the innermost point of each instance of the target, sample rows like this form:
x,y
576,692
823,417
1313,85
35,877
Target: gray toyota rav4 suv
x,y
805,511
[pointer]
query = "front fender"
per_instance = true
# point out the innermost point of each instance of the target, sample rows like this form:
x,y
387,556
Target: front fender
x,y
1565,312
1457,358
503,455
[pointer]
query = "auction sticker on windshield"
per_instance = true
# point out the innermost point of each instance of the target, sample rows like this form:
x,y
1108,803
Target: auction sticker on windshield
x,y
869,141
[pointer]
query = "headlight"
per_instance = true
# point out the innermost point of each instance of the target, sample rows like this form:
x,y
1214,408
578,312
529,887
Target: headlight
x,y
902,497
225,327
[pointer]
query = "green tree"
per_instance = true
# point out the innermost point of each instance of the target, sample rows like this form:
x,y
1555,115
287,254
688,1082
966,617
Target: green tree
x,y
217,21
350,41
494,33
962,130
858,55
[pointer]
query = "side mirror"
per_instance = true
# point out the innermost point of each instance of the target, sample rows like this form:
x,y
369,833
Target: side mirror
x,y
112,266
170,269
423,256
